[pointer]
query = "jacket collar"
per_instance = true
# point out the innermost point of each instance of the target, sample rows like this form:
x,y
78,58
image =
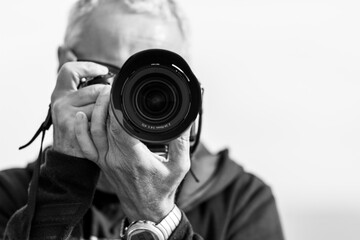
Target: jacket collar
x,y
214,171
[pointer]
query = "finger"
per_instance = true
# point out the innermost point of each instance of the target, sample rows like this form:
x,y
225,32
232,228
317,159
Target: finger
x,y
71,73
87,110
87,95
83,137
64,109
65,55
179,151
99,120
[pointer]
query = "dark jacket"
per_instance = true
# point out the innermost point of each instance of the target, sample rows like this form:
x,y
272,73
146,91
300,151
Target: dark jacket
x,y
231,204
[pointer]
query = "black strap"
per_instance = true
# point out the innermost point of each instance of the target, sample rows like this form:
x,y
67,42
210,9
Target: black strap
x,y
35,177
34,186
43,127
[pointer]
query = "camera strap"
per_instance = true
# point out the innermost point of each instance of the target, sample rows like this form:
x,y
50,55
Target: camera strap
x,y
43,127
31,205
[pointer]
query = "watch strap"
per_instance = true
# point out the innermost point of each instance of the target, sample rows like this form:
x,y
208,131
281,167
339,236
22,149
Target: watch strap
x,y
160,231
170,222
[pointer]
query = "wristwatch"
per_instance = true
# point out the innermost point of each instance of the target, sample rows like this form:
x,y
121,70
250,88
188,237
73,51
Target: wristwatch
x,y
148,230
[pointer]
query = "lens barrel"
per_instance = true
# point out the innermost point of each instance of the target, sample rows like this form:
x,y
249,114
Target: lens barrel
x,y
155,97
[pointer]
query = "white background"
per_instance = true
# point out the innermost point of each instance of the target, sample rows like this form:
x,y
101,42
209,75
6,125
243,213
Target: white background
x,y
282,92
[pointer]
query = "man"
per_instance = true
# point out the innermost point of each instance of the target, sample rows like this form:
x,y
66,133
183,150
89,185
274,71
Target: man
x,y
97,181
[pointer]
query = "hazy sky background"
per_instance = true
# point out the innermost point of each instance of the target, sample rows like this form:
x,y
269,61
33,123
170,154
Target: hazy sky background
x,y
282,84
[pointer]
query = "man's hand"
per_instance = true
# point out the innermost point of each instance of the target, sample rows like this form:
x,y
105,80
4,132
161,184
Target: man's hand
x,y
67,100
144,182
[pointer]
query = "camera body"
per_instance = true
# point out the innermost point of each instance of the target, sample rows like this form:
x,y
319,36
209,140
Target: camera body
x,y
155,97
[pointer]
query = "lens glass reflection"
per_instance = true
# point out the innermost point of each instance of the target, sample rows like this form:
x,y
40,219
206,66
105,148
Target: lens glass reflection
x,y
156,100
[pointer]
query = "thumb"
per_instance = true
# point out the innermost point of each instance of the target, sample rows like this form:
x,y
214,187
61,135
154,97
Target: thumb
x,y
117,131
179,151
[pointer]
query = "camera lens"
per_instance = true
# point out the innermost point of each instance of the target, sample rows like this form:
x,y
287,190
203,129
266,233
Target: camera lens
x,y
156,100
155,96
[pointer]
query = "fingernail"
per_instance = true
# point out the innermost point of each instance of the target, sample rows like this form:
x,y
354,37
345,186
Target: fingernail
x,y
79,116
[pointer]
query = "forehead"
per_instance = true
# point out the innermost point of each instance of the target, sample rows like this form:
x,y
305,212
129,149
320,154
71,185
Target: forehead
x,y
114,37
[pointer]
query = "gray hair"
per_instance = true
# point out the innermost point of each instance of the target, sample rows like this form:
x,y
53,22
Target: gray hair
x,y
166,9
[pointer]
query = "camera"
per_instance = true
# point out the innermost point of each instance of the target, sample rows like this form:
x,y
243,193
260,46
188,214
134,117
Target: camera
x,y
155,97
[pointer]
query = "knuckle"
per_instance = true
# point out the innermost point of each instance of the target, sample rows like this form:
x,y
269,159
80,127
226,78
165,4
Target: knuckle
x,y
182,144
184,166
114,128
92,91
67,69
95,90
57,107
61,116
184,141
104,96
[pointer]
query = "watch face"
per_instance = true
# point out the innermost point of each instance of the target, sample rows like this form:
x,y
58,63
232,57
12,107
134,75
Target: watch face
x,y
141,234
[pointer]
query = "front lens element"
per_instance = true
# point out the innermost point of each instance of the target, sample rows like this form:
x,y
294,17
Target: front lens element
x,y
156,100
